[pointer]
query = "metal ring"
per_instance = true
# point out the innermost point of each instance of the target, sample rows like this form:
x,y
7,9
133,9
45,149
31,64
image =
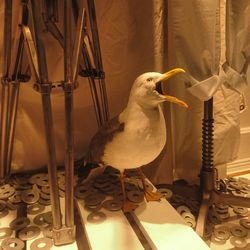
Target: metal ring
x,y
243,211
41,244
29,233
222,233
217,241
7,244
135,196
19,223
30,196
112,205
7,192
46,189
44,202
96,217
45,196
187,215
167,193
40,220
238,231
35,208
238,242
183,209
94,208
81,192
190,222
5,232
94,199
245,223
11,206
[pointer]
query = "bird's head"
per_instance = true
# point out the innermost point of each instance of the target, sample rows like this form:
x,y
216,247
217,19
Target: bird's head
x,y
147,91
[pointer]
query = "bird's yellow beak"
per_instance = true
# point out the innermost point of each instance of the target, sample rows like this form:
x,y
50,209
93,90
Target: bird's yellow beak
x,y
171,73
169,98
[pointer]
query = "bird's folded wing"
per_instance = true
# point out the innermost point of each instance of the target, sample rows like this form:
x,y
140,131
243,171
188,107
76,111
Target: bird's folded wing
x,y
103,136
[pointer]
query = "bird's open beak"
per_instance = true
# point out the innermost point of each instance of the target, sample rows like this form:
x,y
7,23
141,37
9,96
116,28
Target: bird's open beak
x,y
166,76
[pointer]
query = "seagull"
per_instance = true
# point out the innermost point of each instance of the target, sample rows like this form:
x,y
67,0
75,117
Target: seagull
x,y
137,135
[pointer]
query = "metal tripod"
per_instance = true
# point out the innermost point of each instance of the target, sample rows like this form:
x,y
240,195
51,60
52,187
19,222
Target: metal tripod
x,y
209,192
89,65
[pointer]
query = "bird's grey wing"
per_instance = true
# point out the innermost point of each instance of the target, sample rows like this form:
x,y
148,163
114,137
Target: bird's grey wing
x,y
104,135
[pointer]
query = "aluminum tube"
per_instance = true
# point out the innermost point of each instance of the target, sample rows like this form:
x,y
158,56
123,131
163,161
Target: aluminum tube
x,y
12,122
7,37
95,36
4,130
69,139
98,59
49,133
77,44
48,121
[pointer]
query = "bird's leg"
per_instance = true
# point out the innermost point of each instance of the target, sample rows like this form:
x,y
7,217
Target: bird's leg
x,y
149,195
127,205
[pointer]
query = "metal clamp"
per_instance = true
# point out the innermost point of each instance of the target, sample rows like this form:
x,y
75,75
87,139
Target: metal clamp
x,y
43,88
69,86
64,235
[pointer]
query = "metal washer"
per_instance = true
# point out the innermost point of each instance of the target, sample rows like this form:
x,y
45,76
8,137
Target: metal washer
x,y
135,196
46,243
19,223
96,217
222,233
112,205
239,231
35,208
167,193
245,223
183,209
29,233
30,196
238,242
217,241
8,242
5,232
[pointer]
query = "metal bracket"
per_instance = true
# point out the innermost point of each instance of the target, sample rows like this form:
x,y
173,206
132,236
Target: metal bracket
x,y
43,88
64,235
69,86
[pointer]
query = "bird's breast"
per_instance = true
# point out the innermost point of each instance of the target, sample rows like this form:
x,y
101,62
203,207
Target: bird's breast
x,y
141,141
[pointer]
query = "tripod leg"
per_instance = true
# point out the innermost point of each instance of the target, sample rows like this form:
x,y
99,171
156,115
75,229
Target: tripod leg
x,y
45,87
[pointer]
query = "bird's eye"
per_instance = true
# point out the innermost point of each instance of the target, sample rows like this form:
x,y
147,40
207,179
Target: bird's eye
x,y
149,79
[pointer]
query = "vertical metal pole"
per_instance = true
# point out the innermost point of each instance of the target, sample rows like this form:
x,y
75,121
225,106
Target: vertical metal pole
x,y
69,142
47,114
5,98
207,170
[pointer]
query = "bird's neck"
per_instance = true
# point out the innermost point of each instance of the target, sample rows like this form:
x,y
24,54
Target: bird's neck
x,y
136,112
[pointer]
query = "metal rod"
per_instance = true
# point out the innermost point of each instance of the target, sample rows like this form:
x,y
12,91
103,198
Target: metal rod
x,y
98,59
4,128
47,114
7,37
69,139
78,39
5,88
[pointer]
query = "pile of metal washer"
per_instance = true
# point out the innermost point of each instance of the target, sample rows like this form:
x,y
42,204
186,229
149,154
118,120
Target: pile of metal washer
x,y
33,191
29,194
224,222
